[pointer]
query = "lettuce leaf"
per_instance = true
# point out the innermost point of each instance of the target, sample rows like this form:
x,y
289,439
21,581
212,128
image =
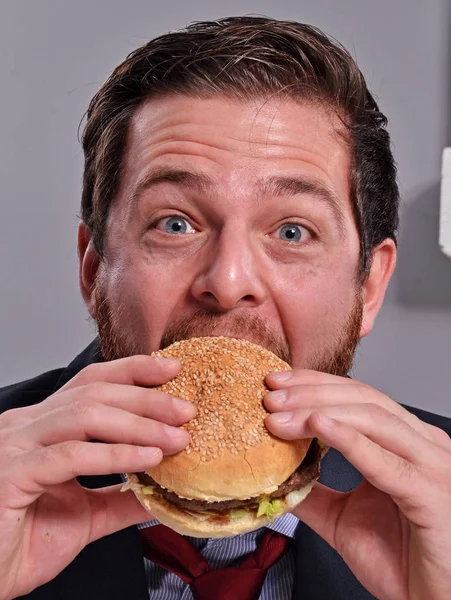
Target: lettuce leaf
x,y
270,508
238,513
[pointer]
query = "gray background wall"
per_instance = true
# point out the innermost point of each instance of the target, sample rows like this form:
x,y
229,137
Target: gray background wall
x,y
53,57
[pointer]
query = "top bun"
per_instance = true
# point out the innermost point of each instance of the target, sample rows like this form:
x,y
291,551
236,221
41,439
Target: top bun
x,y
231,454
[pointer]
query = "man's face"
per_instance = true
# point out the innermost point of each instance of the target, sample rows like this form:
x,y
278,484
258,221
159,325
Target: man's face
x,y
233,219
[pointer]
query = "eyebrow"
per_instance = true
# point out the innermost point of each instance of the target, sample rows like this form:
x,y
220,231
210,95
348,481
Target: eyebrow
x,y
304,186
278,186
180,177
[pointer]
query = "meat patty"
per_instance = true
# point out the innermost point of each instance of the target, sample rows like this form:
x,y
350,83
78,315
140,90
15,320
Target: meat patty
x,y
307,470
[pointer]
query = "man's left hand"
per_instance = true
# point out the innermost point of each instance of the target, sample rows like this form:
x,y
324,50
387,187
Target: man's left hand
x,y
394,530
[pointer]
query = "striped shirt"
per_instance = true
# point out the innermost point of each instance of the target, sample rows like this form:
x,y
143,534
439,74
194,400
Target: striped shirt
x,y
228,552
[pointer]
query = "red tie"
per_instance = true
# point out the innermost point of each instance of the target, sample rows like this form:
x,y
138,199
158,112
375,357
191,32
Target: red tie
x,y
173,552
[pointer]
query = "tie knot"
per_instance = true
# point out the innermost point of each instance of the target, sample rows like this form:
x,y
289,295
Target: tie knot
x,y
173,552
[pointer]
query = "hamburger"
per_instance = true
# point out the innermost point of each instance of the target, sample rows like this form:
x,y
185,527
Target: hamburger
x,y
234,476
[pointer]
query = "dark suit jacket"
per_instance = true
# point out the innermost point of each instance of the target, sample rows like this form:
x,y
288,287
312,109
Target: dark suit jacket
x,y
112,568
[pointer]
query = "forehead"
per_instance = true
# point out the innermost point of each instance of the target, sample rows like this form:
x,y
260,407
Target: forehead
x,y
238,143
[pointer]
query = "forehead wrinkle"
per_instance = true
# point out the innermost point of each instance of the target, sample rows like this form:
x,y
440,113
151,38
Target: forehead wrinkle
x,y
163,173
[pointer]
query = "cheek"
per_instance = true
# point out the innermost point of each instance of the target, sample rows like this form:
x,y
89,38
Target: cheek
x,y
143,298
314,308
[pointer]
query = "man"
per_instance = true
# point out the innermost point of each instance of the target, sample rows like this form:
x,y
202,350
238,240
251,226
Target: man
x,y
238,181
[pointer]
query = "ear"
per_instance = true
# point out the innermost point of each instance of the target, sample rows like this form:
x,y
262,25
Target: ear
x,y
374,288
88,266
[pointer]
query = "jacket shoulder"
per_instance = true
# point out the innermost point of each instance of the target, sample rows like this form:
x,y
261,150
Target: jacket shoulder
x,y
31,391
41,387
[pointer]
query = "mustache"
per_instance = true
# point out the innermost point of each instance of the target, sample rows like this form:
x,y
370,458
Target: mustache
x,y
204,323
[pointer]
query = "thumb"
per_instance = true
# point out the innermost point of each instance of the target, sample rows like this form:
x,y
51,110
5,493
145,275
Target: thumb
x,y
113,510
321,511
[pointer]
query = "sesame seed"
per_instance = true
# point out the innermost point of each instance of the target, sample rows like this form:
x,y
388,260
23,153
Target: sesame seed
x,y
224,378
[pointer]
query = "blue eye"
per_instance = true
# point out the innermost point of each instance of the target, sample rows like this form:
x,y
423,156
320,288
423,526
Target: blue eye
x,y
175,225
291,232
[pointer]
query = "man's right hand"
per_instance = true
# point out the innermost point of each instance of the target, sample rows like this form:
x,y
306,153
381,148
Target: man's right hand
x,y
46,516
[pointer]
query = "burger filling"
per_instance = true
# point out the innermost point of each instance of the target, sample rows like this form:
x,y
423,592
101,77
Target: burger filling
x,y
307,471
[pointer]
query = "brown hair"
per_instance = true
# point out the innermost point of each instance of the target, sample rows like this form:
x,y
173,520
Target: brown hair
x,y
245,57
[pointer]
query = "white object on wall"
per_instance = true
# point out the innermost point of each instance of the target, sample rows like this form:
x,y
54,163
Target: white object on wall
x,y
445,204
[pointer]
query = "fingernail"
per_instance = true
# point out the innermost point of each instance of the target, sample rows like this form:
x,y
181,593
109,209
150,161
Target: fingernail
x,y
324,420
147,452
175,433
167,362
282,417
183,406
281,376
278,397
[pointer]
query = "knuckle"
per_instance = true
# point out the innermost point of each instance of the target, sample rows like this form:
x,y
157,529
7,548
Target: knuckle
x,y
439,434
82,408
12,423
117,454
364,391
8,417
47,456
69,450
355,439
298,417
91,371
88,374
96,390
13,416
295,396
407,470
117,451
375,411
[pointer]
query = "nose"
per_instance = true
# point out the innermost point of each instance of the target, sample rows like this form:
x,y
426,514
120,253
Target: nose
x,y
230,276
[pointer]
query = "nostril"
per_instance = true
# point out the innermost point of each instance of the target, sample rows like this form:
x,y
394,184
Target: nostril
x,y
208,295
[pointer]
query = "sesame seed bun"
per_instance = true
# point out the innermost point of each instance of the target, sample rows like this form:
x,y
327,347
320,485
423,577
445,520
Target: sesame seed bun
x,y
231,454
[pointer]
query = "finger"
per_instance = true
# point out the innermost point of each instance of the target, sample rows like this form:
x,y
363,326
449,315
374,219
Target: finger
x,y
371,420
383,469
140,370
14,416
321,511
292,398
145,402
113,510
87,420
282,379
440,437
334,516
29,474
298,396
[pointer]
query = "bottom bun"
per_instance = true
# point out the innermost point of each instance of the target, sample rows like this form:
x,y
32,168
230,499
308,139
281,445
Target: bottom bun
x,y
203,526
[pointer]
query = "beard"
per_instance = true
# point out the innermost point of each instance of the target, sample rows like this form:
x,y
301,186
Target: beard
x,y
335,358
